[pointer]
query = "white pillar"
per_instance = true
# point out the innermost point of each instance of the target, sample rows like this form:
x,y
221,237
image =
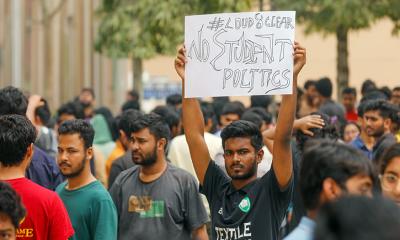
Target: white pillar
x,y
16,42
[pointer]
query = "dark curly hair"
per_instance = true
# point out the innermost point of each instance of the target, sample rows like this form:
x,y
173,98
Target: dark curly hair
x,y
12,101
78,126
156,125
10,204
16,134
329,131
245,129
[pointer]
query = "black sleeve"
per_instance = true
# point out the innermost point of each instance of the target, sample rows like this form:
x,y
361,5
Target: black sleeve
x,y
213,180
280,198
115,170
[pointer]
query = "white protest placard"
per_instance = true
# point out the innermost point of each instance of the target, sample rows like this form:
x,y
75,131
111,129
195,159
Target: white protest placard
x,y
239,54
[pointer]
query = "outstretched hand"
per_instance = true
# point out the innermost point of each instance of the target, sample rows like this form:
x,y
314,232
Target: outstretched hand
x,y
180,62
299,58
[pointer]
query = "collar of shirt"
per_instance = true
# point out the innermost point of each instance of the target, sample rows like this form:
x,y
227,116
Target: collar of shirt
x,y
244,190
358,142
307,224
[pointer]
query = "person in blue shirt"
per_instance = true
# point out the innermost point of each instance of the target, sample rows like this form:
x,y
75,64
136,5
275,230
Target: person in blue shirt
x,y
43,169
330,170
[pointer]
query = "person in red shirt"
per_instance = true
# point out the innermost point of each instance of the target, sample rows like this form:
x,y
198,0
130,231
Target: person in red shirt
x,y
349,98
46,216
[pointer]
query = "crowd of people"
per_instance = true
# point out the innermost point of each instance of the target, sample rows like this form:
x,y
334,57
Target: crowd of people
x,y
306,168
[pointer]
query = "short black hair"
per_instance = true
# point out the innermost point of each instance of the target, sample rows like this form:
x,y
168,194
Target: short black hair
x,y
385,109
174,99
262,101
170,116
10,204
324,87
71,108
309,83
387,157
16,134
326,159
218,104
78,126
235,107
134,94
386,90
127,118
358,218
243,129
266,116
328,131
156,125
252,117
208,112
374,95
349,90
370,96
43,112
131,104
367,86
12,101
396,89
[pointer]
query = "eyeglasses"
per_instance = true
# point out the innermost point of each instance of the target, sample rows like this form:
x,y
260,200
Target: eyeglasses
x,y
389,181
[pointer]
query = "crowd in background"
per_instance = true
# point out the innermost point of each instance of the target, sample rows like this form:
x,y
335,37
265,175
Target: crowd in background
x,y
358,135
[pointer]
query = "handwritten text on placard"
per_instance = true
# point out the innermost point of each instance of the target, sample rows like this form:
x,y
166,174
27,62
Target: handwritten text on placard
x,y
238,54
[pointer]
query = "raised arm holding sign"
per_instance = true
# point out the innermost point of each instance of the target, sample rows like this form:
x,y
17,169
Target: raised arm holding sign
x,y
242,206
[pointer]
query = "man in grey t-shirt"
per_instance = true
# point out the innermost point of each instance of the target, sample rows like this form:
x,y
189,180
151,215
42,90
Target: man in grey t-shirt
x,y
154,199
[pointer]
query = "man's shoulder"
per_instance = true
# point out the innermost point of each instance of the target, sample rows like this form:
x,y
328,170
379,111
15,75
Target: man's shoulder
x,y
35,191
126,175
180,174
304,231
97,193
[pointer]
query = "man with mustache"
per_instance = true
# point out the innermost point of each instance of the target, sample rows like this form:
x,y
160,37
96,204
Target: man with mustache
x,y
378,117
242,206
154,199
89,205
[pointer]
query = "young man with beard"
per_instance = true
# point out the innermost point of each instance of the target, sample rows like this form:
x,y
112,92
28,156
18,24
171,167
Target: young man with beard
x,y
378,115
242,206
89,205
46,217
154,199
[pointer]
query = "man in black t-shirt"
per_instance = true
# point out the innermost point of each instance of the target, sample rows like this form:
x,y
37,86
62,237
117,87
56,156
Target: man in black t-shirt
x,y
242,206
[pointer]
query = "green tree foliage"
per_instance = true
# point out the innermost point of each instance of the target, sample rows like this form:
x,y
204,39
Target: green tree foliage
x,y
391,9
140,29
335,17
